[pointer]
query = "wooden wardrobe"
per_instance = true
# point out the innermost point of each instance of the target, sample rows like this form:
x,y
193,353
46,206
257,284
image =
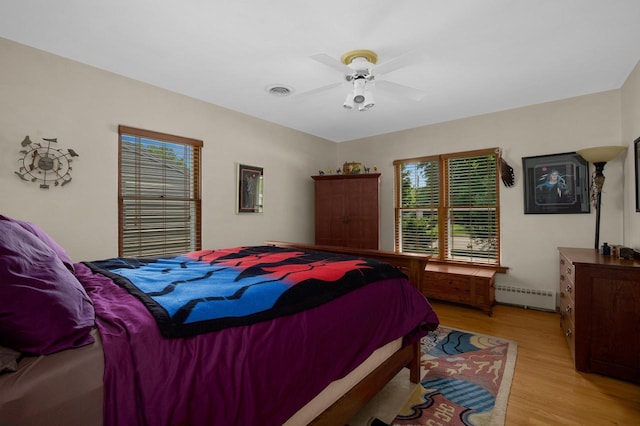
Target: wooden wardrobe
x,y
347,210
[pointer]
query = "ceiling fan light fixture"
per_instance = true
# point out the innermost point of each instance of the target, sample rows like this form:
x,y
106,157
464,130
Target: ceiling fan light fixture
x,y
369,101
358,90
348,102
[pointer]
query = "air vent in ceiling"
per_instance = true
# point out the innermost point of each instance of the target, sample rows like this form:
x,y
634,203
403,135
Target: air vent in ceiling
x,y
279,90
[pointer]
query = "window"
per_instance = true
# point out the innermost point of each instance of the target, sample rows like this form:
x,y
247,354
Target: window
x,y
159,193
448,206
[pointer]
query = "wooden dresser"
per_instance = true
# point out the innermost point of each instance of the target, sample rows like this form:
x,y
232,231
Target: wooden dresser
x,y
347,210
600,312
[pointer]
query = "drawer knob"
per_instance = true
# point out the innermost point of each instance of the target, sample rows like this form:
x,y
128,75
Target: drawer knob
x,y
568,333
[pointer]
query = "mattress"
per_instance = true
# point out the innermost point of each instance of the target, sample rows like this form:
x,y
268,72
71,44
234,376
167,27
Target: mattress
x,y
67,386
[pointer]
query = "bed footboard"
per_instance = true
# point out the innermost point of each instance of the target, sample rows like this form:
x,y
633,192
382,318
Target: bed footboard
x,y
358,396
413,266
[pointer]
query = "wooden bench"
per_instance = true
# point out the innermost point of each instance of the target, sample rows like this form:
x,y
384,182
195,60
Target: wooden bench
x,y
465,284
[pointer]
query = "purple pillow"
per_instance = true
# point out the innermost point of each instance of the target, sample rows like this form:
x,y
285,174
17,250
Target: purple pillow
x,y
46,239
43,307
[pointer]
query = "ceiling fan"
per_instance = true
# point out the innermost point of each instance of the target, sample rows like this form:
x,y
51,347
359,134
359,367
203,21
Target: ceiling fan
x,y
361,71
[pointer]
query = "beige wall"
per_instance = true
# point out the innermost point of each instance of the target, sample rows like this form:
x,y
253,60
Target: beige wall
x,y
43,95
529,242
630,132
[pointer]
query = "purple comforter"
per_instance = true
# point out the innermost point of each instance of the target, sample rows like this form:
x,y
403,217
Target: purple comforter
x,y
248,375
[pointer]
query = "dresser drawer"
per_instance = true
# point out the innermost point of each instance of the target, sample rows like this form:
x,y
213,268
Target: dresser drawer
x,y
567,280
567,302
567,270
567,309
568,330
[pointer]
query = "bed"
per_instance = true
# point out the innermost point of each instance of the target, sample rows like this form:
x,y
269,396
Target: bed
x,y
119,361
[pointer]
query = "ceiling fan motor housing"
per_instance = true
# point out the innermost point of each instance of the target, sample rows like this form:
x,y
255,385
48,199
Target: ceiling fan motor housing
x,y
358,55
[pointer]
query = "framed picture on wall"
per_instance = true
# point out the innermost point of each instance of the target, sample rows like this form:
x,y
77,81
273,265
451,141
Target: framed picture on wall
x,y
250,189
556,184
636,157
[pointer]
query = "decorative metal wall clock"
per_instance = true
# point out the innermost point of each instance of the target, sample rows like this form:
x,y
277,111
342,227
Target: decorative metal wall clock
x,y
45,164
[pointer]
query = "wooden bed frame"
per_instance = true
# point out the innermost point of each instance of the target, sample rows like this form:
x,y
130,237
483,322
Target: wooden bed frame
x,y
357,397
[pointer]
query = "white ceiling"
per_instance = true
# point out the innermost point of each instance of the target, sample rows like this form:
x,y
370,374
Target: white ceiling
x,y
469,56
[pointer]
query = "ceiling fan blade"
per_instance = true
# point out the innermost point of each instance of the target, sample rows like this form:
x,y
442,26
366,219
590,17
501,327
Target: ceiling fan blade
x,y
398,90
332,62
396,63
318,90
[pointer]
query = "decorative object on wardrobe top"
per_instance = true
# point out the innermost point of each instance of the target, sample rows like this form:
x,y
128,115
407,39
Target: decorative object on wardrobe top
x,y
350,168
599,156
44,163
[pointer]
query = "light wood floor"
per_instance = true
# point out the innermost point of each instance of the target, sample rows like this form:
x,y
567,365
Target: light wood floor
x,y
546,390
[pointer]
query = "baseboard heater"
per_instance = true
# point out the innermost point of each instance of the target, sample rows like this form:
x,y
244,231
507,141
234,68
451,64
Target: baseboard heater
x,y
526,297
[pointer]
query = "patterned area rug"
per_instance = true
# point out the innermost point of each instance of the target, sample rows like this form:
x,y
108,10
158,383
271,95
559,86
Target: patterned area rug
x,y
467,380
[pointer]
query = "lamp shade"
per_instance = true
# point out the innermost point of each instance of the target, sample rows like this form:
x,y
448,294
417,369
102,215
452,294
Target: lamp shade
x,y
601,154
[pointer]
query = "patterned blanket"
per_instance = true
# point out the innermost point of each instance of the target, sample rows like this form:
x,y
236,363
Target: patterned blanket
x,y
210,290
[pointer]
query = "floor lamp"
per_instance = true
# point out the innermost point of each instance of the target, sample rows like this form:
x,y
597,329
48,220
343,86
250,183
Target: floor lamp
x,y
599,156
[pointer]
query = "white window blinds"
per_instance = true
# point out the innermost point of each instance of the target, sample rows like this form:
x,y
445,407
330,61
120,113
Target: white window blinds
x,y
159,193
447,206
418,212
